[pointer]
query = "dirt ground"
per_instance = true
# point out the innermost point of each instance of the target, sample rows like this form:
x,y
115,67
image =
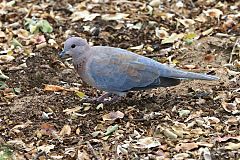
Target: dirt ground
x,y
194,120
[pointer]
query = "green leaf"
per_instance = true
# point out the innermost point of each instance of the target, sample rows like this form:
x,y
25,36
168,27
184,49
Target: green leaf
x,y
35,25
100,106
11,3
184,113
33,29
44,26
111,129
3,85
17,90
80,94
3,76
189,36
5,153
16,43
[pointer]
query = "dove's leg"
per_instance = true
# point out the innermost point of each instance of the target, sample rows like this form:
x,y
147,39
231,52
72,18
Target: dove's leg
x,y
104,98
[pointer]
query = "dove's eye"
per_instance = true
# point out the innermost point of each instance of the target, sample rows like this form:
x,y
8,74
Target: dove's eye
x,y
73,46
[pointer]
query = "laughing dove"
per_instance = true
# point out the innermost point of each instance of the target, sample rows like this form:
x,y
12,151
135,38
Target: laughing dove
x,y
118,71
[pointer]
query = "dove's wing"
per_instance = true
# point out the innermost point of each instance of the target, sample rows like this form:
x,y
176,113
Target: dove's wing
x,y
118,70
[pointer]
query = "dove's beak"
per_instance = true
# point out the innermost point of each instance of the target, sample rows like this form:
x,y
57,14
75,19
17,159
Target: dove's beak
x,y
61,54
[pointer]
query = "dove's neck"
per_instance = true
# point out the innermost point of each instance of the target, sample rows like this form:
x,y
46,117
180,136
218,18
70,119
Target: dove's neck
x,y
79,63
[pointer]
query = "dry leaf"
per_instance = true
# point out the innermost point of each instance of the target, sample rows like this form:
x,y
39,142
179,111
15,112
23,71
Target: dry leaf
x,y
206,153
72,110
155,3
54,88
173,38
229,107
66,130
169,134
161,34
186,22
6,58
233,146
215,13
46,148
181,156
186,146
147,142
47,129
113,116
85,15
137,47
116,16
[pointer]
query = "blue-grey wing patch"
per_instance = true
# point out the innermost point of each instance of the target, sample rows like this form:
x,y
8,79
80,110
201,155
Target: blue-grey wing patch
x,y
122,71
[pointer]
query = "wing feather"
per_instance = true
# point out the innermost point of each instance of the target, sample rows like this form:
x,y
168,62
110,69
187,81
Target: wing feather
x,y
117,70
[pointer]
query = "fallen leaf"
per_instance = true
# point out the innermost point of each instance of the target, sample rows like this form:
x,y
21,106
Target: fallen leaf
x,y
186,146
232,146
169,134
6,58
35,25
47,129
137,47
100,106
186,22
6,153
213,12
184,113
46,148
16,43
40,39
66,130
72,110
113,116
206,153
81,95
161,34
54,88
147,142
229,107
207,32
2,34
181,156
17,142
116,16
171,39
121,150
226,138
111,129
3,76
85,15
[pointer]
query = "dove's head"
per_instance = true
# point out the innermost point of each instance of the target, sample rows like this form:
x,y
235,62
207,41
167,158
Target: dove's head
x,y
74,47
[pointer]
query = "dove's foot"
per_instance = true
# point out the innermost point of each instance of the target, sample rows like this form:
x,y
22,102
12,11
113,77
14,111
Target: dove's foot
x,y
106,98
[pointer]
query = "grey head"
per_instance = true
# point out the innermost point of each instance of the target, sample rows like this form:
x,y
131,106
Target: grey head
x,y
74,47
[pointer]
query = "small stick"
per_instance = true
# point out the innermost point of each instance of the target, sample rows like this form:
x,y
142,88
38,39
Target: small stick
x,y
93,151
233,50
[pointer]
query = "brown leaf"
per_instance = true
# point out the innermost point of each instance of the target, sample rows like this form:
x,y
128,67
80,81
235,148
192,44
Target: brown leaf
x,y
186,146
66,130
113,116
232,146
229,107
54,88
47,129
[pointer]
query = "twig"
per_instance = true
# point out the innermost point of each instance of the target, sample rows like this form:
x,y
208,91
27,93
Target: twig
x,y
93,151
233,50
39,154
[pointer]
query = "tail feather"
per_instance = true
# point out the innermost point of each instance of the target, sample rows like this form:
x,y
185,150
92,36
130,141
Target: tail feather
x,y
179,74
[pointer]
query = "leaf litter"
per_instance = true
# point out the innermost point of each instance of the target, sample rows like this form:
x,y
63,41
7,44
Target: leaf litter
x,y
41,111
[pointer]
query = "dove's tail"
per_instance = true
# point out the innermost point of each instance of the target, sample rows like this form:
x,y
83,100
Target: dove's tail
x,y
179,74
